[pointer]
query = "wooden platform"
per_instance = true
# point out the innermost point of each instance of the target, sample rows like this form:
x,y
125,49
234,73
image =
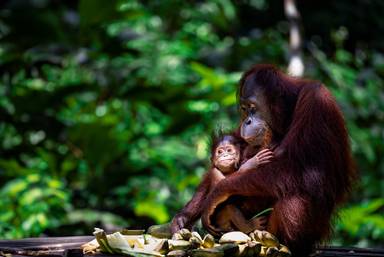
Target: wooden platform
x,y
69,247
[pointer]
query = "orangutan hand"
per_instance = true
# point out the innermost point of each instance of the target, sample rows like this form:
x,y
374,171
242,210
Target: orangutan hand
x,y
179,222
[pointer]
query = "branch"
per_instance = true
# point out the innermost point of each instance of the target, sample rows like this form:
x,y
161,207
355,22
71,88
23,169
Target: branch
x,y
296,64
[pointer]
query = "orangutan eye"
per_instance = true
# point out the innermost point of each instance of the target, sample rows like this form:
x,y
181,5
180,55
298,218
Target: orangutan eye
x,y
229,150
220,151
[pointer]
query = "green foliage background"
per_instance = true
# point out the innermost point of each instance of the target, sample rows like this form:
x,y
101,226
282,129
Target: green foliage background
x,y
106,107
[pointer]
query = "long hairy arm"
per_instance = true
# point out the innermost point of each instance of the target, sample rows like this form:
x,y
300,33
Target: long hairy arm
x,y
192,210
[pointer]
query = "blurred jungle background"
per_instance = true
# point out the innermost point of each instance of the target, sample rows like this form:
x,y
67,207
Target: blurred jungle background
x,y
106,107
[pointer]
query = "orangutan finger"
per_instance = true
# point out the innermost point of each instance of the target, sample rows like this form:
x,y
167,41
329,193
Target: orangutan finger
x,y
267,157
264,154
180,223
264,150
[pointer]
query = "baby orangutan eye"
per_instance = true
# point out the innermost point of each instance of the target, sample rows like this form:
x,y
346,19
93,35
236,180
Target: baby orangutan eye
x,y
229,150
220,152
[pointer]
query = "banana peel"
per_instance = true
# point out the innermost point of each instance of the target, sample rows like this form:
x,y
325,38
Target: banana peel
x,y
234,237
208,241
265,238
179,245
160,231
177,253
101,238
284,251
210,252
186,243
91,247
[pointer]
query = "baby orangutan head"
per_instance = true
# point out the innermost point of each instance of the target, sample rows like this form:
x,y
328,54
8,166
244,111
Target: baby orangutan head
x,y
226,154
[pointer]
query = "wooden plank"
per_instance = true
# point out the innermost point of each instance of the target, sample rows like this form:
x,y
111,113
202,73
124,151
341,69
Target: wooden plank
x,y
43,246
46,242
344,254
21,252
348,252
355,249
70,247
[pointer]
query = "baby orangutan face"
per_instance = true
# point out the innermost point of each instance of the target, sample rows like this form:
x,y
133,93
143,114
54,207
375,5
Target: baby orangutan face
x,y
227,157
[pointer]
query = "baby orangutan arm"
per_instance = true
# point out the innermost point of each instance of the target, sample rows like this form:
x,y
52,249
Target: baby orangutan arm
x,y
192,211
216,176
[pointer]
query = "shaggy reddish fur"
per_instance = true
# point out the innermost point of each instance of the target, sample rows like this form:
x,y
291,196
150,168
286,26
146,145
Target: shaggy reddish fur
x,y
312,171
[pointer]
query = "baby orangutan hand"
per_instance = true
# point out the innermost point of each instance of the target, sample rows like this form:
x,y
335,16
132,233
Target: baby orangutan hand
x,y
262,157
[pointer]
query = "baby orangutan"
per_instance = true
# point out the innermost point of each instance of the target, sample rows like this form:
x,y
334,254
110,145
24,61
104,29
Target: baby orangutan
x,y
228,154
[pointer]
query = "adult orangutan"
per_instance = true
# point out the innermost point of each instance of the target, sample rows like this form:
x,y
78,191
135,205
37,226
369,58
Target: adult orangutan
x,y
312,170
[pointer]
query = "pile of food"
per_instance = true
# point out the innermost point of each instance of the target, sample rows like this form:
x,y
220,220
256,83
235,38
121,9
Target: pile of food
x,y
158,243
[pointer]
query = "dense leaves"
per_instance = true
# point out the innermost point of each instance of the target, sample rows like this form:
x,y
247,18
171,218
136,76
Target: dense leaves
x,y
107,107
